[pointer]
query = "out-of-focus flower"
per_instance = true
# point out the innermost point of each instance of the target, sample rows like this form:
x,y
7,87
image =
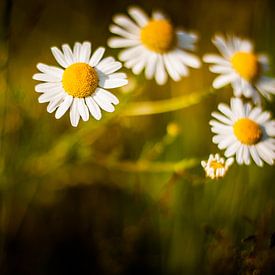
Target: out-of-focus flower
x,y
173,129
154,45
216,167
244,131
80,86
242,67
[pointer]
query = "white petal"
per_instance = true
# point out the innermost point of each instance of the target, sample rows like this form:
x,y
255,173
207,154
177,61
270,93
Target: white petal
x,y
264,153
214,58
226,110
254,154
108,96
222,118
109,83
74,114
229,162
115,42
223,80
64,106
126,23
46,77
270,128
110,68
255,113
85,52
160,75
229,140
46,97
55,102
157,15
246,155
139,66
47,87
220,69
237,87
121,32
248,90
263,117
105,62
117,75
104,104
178,63
151,66
237,107
58,55
223,47
93,107
140,17
222,130
68,54
245,46
189,59
50,70
96,57
76,52
170,68
218,138
239,155
130,53
266,85
132,62
82,109
232,149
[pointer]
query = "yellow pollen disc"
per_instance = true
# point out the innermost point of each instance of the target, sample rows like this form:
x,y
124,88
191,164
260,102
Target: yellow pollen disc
x,y
246,65
216,165
158,36
80,80
247,131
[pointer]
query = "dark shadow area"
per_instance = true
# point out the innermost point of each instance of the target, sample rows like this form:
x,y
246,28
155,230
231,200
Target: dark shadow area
x,y
89,230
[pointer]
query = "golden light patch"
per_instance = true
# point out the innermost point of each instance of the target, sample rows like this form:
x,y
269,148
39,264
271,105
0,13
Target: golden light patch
x,y
80,80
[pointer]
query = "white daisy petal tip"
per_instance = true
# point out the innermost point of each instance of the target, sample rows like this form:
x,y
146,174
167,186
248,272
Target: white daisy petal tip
x,y
158,14
35,76
244,134
216,167
80,95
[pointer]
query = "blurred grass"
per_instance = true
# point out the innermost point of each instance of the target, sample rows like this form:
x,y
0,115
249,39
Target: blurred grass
x,y
136,202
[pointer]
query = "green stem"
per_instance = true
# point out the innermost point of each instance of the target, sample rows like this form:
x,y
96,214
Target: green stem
x,y
163,106
146,166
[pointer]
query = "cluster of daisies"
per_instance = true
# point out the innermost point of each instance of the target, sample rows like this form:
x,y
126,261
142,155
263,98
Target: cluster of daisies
x,y
243,129
152,44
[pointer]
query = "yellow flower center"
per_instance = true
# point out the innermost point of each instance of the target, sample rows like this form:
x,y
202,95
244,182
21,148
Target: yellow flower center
x,y
246,65
158,36
216,165
247,131
80,80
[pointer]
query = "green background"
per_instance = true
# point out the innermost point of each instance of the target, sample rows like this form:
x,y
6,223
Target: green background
x,y
123,195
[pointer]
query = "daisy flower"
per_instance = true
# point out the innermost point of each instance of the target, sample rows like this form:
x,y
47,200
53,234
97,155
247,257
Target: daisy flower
x,y
79,86
216,167
153,44
244,131
242,67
